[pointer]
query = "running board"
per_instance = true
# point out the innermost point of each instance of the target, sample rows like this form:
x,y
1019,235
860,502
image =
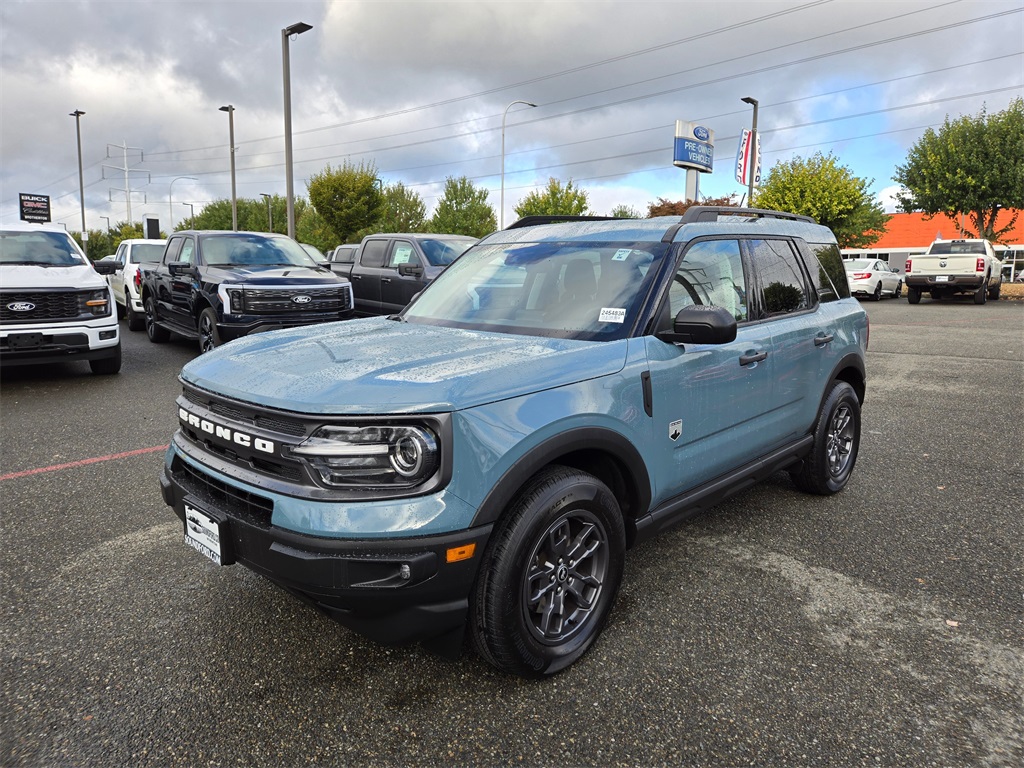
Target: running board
x,y
678,509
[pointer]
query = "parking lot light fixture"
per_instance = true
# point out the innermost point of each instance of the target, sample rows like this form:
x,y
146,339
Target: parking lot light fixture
x,y
752,165
191,215
170,193
231,137
77,114
501,215
295,29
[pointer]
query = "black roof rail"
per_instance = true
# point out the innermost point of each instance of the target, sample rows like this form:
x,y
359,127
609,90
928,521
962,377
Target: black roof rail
x,y
697,213
532,221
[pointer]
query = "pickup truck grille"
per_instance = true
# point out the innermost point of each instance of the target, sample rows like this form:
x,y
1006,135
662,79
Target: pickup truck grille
x,y
299,299
47,306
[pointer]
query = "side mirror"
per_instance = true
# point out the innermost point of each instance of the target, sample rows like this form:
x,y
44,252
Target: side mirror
x,y
410,270
701,325
177,268
105,267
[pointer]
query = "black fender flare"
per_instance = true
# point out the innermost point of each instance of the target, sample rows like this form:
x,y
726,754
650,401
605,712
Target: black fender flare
x,y
581,447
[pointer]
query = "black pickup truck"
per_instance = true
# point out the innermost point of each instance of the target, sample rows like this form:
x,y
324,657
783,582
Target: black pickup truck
x,y
388,270
215,286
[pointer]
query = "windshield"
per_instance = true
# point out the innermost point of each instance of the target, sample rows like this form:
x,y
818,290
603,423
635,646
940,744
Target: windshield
x,y
147,253
243,250
441,252
587,291
44,249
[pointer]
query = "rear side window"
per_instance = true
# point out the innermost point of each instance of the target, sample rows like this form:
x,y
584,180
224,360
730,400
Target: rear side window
x,y
830,276
783,286
374,252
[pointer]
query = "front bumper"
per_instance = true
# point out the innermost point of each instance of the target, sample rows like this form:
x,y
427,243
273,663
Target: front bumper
x,y
243,325
392,590
51,343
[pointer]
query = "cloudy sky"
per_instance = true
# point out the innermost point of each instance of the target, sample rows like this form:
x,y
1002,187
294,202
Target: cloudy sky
x,y
418,90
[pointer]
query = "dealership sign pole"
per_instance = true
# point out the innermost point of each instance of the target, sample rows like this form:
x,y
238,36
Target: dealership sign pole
x,y
694,150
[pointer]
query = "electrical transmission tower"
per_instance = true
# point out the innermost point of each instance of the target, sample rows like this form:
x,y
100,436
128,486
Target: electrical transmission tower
x,y
127,171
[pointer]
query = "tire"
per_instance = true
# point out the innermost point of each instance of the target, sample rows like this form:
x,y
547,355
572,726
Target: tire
x,y
209,336
827,468
156,334
877,295
899,290
136,322
536,608
981,295
993,293
119,309
107,366
913,295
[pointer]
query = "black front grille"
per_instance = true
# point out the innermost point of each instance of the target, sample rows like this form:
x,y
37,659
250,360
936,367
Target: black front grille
x,y
219,495
47,306
236,413
269,301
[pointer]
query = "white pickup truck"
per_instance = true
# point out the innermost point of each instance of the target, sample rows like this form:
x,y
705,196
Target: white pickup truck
x,y
955,266
126,281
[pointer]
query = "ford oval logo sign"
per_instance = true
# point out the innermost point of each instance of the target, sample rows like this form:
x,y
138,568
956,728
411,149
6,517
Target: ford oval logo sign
x,y
700,132
21,306
302,299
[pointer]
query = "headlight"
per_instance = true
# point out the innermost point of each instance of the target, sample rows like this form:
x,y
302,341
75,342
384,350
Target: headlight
x,y
371,457
97,304
236,297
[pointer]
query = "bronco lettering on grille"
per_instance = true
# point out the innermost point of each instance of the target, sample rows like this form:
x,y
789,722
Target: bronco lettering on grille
x,y
225,433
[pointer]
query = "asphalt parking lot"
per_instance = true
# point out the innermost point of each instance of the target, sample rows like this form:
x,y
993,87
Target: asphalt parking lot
x,y
883,626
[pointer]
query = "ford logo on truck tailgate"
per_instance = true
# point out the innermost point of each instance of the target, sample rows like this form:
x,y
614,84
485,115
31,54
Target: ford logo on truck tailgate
x,y
21,306
302,299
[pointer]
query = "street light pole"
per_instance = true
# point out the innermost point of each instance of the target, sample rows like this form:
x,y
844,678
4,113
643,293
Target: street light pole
x,y
170,192
295,29
231,136
752,149
501,216
77,114
191,215
270,215
106,219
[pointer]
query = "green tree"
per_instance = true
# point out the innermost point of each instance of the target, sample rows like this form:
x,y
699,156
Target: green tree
x,y
555,200
623,211
313,229
402,210
971,165
348,198
463,210
821,188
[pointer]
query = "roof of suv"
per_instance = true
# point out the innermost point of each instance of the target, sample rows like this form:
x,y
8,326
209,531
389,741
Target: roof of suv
x,y
698,220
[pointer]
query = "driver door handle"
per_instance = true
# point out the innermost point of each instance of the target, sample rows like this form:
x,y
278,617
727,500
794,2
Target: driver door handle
x,y
754,357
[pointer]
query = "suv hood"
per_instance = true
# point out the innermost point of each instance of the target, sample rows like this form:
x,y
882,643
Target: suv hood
x,y
377,366
78,277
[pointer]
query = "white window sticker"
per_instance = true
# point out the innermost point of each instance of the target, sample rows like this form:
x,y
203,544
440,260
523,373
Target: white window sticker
x,y
612,315
622,254
675,429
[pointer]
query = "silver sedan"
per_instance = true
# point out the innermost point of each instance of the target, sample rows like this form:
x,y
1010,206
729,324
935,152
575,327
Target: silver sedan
x,y
873,278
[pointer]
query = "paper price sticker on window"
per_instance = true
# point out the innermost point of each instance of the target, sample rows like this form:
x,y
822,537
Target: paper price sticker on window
x,y
612,315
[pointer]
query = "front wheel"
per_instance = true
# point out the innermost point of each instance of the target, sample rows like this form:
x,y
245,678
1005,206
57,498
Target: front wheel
x,y
107,366
827,468
209,336
156,333
550,575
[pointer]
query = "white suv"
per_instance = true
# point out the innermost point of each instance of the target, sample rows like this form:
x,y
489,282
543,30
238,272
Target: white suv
x,y
126,280
54,306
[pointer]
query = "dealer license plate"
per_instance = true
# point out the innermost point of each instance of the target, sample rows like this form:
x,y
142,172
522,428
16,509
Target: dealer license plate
x,y
203,533
942,278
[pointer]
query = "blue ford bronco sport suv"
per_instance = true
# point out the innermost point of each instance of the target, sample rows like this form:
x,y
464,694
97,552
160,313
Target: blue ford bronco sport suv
x,y
479,463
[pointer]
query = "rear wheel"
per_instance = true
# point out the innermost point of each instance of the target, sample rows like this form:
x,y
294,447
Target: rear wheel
x,y
209,336
877,295
828,467
899,290
913,295
981,295
136,322
550,575
156,334
993,293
